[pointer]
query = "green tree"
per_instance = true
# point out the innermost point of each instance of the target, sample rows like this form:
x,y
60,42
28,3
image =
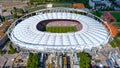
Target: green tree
x,y
12,50
97,13
3,18
84,60
20,11
1,52
33,60
15,10
15,15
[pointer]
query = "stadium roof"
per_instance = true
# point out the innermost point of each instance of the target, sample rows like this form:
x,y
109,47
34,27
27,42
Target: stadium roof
x,y
93,33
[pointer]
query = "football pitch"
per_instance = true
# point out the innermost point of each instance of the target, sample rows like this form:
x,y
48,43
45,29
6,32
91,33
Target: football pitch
x,y
61,29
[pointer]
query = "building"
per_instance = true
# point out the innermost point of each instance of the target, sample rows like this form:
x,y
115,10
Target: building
x,y
95,4
52,42
3,60
3,28
115,58
108,17
110,63
117,1
49,5
32,34
114,30
118,61
2,38
78,5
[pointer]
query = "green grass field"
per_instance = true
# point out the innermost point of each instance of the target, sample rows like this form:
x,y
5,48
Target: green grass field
x,y
116,15
117,25
60,29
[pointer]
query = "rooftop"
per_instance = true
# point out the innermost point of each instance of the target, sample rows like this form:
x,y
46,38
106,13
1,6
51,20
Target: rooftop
x,y
118,62
108,15
1,35
114,30
97,0
2,61
79,5
3,28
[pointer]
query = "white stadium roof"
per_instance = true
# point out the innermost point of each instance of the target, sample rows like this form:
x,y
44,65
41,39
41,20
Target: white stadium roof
x,y
93,34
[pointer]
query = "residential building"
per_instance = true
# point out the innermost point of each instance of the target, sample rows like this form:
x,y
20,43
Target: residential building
x,y
115,56
95,4
107,16
117,1
3,28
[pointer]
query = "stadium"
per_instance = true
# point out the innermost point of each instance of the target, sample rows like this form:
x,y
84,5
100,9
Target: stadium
x,y
59,30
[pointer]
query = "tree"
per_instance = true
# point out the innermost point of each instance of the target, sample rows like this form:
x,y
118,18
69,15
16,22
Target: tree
x,y
1,52
12,50
97,13
20,11
3,18
15,9
15,15
84,60
33,60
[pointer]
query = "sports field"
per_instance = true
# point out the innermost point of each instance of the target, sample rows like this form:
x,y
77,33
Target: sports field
x,y
59,26
60,29
116,15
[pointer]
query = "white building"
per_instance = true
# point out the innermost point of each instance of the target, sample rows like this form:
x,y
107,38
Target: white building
x,y
118,62
115,58
99,3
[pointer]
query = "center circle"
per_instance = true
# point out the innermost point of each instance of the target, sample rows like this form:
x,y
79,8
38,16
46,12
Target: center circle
x,y
59,26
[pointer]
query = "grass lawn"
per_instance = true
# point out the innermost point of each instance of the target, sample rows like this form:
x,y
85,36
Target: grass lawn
x,y
117,25
116,15
60,29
